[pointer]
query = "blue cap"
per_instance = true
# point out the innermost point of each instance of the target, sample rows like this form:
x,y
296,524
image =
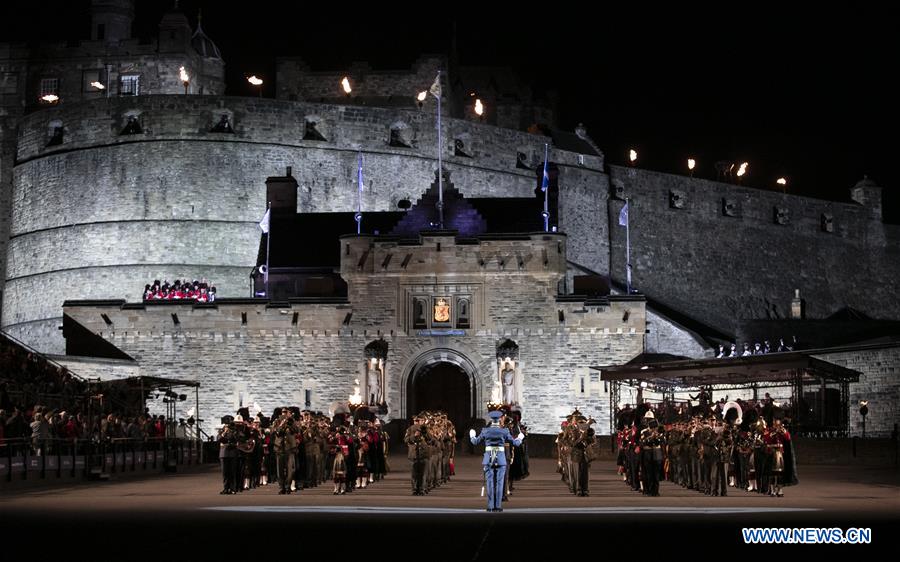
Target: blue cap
x,y
495,415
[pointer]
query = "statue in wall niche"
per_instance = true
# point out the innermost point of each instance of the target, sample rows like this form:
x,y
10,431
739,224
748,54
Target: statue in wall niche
x,y
508,377
373,384
746,350
721,353
734,352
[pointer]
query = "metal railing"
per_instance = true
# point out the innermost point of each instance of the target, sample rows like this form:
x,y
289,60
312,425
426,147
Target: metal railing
x,y
26,458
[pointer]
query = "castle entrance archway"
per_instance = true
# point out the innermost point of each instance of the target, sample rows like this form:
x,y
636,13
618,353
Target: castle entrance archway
x,y
446,381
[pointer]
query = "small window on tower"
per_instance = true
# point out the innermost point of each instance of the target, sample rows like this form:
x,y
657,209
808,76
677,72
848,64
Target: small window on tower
x,y
130,85
49,87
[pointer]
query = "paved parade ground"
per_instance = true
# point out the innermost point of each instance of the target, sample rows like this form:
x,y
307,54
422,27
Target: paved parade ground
x,y
182,516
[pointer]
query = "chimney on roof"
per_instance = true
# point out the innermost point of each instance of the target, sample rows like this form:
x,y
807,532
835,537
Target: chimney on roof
x,y
798,306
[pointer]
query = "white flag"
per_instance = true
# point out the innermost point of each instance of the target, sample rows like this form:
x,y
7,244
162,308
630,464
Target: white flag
x,y
436,87
264,223
623,215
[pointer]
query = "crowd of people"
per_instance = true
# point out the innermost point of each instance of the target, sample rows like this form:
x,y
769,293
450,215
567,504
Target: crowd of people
x,y
298,449
26,378
758,348
705,451
198,290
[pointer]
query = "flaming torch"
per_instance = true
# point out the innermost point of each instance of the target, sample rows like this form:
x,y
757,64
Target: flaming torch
x,y
185,79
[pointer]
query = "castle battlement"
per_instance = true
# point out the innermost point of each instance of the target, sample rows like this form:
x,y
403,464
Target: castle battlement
x,y
101,122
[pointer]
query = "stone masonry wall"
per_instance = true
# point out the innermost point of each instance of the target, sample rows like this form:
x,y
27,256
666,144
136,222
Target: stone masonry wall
x,y
722,269
272,362
177,197
880,368
297,82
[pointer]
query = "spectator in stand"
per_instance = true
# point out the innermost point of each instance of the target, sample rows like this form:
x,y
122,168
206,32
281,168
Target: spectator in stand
x,y
179,290
40,433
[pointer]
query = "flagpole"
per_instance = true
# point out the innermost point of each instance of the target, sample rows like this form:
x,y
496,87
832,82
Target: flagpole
x,y
440,204
628,247
359,194
545,184
268,241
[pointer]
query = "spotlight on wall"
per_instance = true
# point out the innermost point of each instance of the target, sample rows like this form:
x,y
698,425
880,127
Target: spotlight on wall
x,y
691,165
50,98
420,98
345,84
97,85
632,156
479,108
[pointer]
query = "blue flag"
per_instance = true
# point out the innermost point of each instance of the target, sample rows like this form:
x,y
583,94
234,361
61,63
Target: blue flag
x,y
623,215
545,182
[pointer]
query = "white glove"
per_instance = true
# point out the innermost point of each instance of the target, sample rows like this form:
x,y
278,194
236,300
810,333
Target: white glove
x,y
472,433
520,436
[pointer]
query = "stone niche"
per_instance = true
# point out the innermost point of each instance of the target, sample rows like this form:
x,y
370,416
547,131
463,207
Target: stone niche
x,y
677,199
617,190
731,207
782,215
826,222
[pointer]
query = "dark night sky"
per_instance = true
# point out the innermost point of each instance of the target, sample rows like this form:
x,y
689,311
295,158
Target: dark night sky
x,y
806,94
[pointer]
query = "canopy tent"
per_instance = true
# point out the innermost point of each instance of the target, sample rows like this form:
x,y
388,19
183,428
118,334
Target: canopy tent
x,y
160,387
790,369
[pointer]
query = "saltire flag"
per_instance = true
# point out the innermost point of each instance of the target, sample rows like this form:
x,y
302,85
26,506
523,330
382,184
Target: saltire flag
x,y
264,223
623,215
545,182
435,89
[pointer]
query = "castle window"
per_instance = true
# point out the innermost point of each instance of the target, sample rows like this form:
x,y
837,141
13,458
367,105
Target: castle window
x,y
49,87
462,313
130,85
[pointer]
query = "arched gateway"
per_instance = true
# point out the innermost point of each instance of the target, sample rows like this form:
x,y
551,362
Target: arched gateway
x,y
442,379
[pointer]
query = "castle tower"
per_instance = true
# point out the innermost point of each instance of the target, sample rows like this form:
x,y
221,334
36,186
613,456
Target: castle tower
x,y
111,20
174,31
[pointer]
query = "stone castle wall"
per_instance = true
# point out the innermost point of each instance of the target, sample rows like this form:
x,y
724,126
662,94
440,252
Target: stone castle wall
x,y
101,214
722,269
272,362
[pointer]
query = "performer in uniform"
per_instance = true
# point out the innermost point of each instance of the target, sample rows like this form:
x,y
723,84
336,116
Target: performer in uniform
x,y
494,463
